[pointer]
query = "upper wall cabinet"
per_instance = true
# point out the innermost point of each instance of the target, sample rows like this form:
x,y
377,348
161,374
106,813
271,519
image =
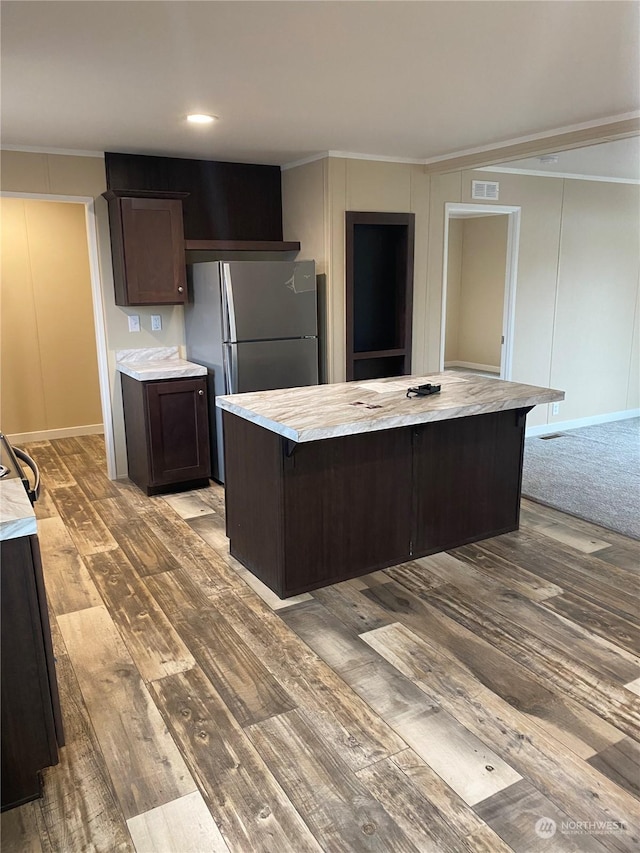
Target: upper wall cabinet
x,y
379,290
147,247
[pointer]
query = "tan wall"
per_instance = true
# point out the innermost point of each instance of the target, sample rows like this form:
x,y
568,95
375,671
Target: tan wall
x,y
577,308
47,348
454,279
482,275
304,197
332,186
53,174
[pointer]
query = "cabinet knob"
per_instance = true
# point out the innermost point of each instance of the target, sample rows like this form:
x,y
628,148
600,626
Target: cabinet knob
x,y
201,392
180,289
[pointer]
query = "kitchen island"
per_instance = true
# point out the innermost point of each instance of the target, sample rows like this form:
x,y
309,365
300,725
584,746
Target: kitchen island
x,y
330,482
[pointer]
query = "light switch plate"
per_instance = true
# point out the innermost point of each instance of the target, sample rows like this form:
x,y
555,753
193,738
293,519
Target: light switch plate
x,y
134,322
156,323
555,408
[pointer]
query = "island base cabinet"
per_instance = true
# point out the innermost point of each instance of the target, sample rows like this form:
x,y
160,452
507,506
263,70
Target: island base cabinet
x,y
31,715
305,515
467,479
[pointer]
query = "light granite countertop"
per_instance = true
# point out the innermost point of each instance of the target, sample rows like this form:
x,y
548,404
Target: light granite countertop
x,y
152,363
326,411
17,517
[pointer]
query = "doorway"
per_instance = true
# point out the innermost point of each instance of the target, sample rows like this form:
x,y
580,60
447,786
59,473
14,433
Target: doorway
x,y
54,355
478,287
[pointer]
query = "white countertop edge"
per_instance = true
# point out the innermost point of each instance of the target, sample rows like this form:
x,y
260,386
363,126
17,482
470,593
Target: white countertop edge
x,y
147,371
17,517
260,420
18,528
389,421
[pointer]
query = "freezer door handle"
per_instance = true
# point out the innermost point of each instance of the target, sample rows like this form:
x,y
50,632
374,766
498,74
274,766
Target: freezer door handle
x,y
228,309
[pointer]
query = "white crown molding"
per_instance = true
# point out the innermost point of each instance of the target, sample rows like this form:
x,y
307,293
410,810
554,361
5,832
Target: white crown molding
x,y
351,155
534,137
538,173
67,152
303,162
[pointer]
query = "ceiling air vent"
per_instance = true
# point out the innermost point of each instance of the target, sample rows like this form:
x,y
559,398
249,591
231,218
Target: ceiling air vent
x,y
485,189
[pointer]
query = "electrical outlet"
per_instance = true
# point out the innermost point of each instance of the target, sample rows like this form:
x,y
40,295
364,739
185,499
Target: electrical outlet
x,y
555,408
156,323
134,322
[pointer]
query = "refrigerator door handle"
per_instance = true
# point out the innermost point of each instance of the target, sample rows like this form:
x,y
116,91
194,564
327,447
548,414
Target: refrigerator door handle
x,y
228,310
230,364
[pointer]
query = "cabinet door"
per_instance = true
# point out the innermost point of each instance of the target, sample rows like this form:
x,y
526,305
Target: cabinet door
x,y
347,506
178,430
467,477
28,712
154,259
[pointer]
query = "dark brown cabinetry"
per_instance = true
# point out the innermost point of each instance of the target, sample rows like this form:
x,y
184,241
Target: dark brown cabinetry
x,y
225,201
147,247
300,516
167,430
31,717
379,291
468,477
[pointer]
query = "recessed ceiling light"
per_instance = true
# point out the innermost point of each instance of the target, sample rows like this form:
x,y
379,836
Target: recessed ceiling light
x,y
200,118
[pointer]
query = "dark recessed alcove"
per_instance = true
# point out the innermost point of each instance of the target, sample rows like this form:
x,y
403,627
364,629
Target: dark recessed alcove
x,y
379,284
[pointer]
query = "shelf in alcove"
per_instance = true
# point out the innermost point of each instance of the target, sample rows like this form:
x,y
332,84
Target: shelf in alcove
x,y
381,353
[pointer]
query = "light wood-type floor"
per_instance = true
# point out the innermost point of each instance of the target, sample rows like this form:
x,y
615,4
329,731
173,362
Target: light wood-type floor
x,y
453,703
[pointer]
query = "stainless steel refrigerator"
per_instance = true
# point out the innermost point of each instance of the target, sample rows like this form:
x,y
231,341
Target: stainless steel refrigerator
x,y
254,325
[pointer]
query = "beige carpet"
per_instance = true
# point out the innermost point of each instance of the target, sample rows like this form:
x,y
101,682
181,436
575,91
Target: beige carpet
x,y
592,472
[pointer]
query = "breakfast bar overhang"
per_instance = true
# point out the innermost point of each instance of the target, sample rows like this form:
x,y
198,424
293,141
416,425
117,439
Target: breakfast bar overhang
x,y
331,482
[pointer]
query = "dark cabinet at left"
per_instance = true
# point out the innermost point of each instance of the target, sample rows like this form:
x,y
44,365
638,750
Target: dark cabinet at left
x,y
167,431
147,247
31,716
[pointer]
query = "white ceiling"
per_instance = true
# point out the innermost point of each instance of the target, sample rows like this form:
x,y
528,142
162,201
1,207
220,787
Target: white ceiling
x,y
618,160
291,80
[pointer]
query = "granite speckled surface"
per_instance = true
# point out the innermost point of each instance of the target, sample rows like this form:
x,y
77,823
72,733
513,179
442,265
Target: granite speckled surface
x,y
327,411
17,517
156,363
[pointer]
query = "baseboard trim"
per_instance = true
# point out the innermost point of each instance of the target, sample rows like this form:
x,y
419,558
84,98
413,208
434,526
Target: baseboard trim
x,y
470,365
50,434
561,426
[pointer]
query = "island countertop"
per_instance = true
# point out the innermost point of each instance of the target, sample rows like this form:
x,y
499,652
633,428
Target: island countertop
x,y
316,412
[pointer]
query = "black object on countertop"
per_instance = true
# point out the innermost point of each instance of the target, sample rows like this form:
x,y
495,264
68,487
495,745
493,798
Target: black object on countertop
x,y
424,390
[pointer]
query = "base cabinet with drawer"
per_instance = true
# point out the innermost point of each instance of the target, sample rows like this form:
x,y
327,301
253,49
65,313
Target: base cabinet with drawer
x,y
31,715
167,432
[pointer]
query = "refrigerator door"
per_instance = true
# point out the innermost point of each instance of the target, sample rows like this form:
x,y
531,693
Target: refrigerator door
x,y
268,300
264,365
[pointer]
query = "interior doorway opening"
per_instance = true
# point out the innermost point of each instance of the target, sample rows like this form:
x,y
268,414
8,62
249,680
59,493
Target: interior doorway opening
x,y
63,364
478,288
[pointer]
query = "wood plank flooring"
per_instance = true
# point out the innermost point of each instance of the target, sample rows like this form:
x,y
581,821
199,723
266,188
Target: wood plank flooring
x,y
487,699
